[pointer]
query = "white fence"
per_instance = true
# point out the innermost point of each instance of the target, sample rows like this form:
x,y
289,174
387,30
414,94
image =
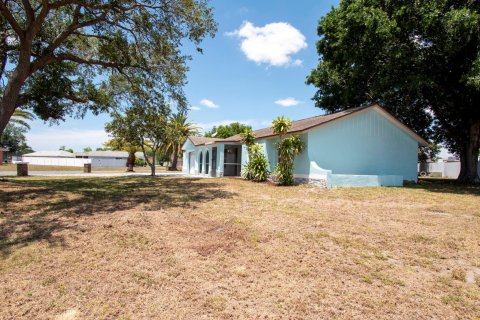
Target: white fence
x,y
449,169
51,161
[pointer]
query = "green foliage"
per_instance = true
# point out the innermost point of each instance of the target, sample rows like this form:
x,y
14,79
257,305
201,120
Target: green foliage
x,y
178,130
281,125
139,162
430,152
87,149
63,148
256,169
67,57
226,131
419,59
20,117
13,139
248,138
288,149
144,124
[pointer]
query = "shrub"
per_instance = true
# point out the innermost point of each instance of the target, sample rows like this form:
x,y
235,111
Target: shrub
x,y
256,169
139,162
288,149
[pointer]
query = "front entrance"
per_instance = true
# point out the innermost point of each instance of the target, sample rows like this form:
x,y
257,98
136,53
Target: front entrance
x,y
232,163
191,163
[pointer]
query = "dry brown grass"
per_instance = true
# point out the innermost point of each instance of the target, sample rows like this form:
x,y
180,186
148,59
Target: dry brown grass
x,y
34,167
176,248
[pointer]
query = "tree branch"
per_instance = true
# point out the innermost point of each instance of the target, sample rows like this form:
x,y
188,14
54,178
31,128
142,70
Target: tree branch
x,y
11,20
29,11
71,28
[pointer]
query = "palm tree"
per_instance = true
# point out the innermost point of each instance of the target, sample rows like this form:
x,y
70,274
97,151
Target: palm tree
x,y
20,116
178,131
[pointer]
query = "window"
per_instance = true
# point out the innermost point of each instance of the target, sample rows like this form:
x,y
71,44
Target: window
x,y
200,163
207,162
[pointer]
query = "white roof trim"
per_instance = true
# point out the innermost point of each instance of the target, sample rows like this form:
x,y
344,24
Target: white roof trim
x,y
422,142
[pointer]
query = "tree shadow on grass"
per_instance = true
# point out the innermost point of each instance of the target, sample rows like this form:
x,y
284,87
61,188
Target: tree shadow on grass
x,y
36,209
445,186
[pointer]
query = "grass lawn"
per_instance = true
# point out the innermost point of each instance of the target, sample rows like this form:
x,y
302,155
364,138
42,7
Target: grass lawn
x,y
178,248
33,167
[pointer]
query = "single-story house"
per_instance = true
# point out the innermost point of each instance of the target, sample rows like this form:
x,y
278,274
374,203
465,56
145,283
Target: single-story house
x,y
105,159
52,158
98,159
364,146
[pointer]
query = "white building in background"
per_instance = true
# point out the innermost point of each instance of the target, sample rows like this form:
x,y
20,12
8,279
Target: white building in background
x,y
98,159
54,158
107,159
449,168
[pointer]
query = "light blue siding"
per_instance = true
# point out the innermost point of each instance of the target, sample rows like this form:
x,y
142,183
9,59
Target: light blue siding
x,y
365,143
351,180
363,149
269,147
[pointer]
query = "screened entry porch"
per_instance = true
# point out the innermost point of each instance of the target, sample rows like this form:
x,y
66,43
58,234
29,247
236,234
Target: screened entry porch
x,y
232,160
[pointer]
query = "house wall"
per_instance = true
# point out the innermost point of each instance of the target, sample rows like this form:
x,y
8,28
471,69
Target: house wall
x,y
270,150
53,161
104,162
365,143
198,151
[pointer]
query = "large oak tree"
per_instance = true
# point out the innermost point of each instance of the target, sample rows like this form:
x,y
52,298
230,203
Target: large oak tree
x,y
419,58
57,56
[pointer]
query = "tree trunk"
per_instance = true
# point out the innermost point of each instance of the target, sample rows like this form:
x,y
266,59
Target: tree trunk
x,y
130,161
11,94
152,166
173,167
469,156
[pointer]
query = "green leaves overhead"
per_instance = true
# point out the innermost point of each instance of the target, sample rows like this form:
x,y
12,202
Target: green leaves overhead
x,y
66,57
419,59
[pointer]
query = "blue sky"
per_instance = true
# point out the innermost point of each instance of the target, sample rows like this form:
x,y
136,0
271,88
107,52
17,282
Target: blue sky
x,y
261,54
252,71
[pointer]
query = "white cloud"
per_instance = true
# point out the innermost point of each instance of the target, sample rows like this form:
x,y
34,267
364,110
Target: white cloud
x,y
288,102
209,125
272,44
298,62
194,108
53,138
209,104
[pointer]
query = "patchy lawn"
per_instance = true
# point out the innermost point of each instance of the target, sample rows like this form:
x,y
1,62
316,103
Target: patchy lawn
x,y
177,248
36,167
